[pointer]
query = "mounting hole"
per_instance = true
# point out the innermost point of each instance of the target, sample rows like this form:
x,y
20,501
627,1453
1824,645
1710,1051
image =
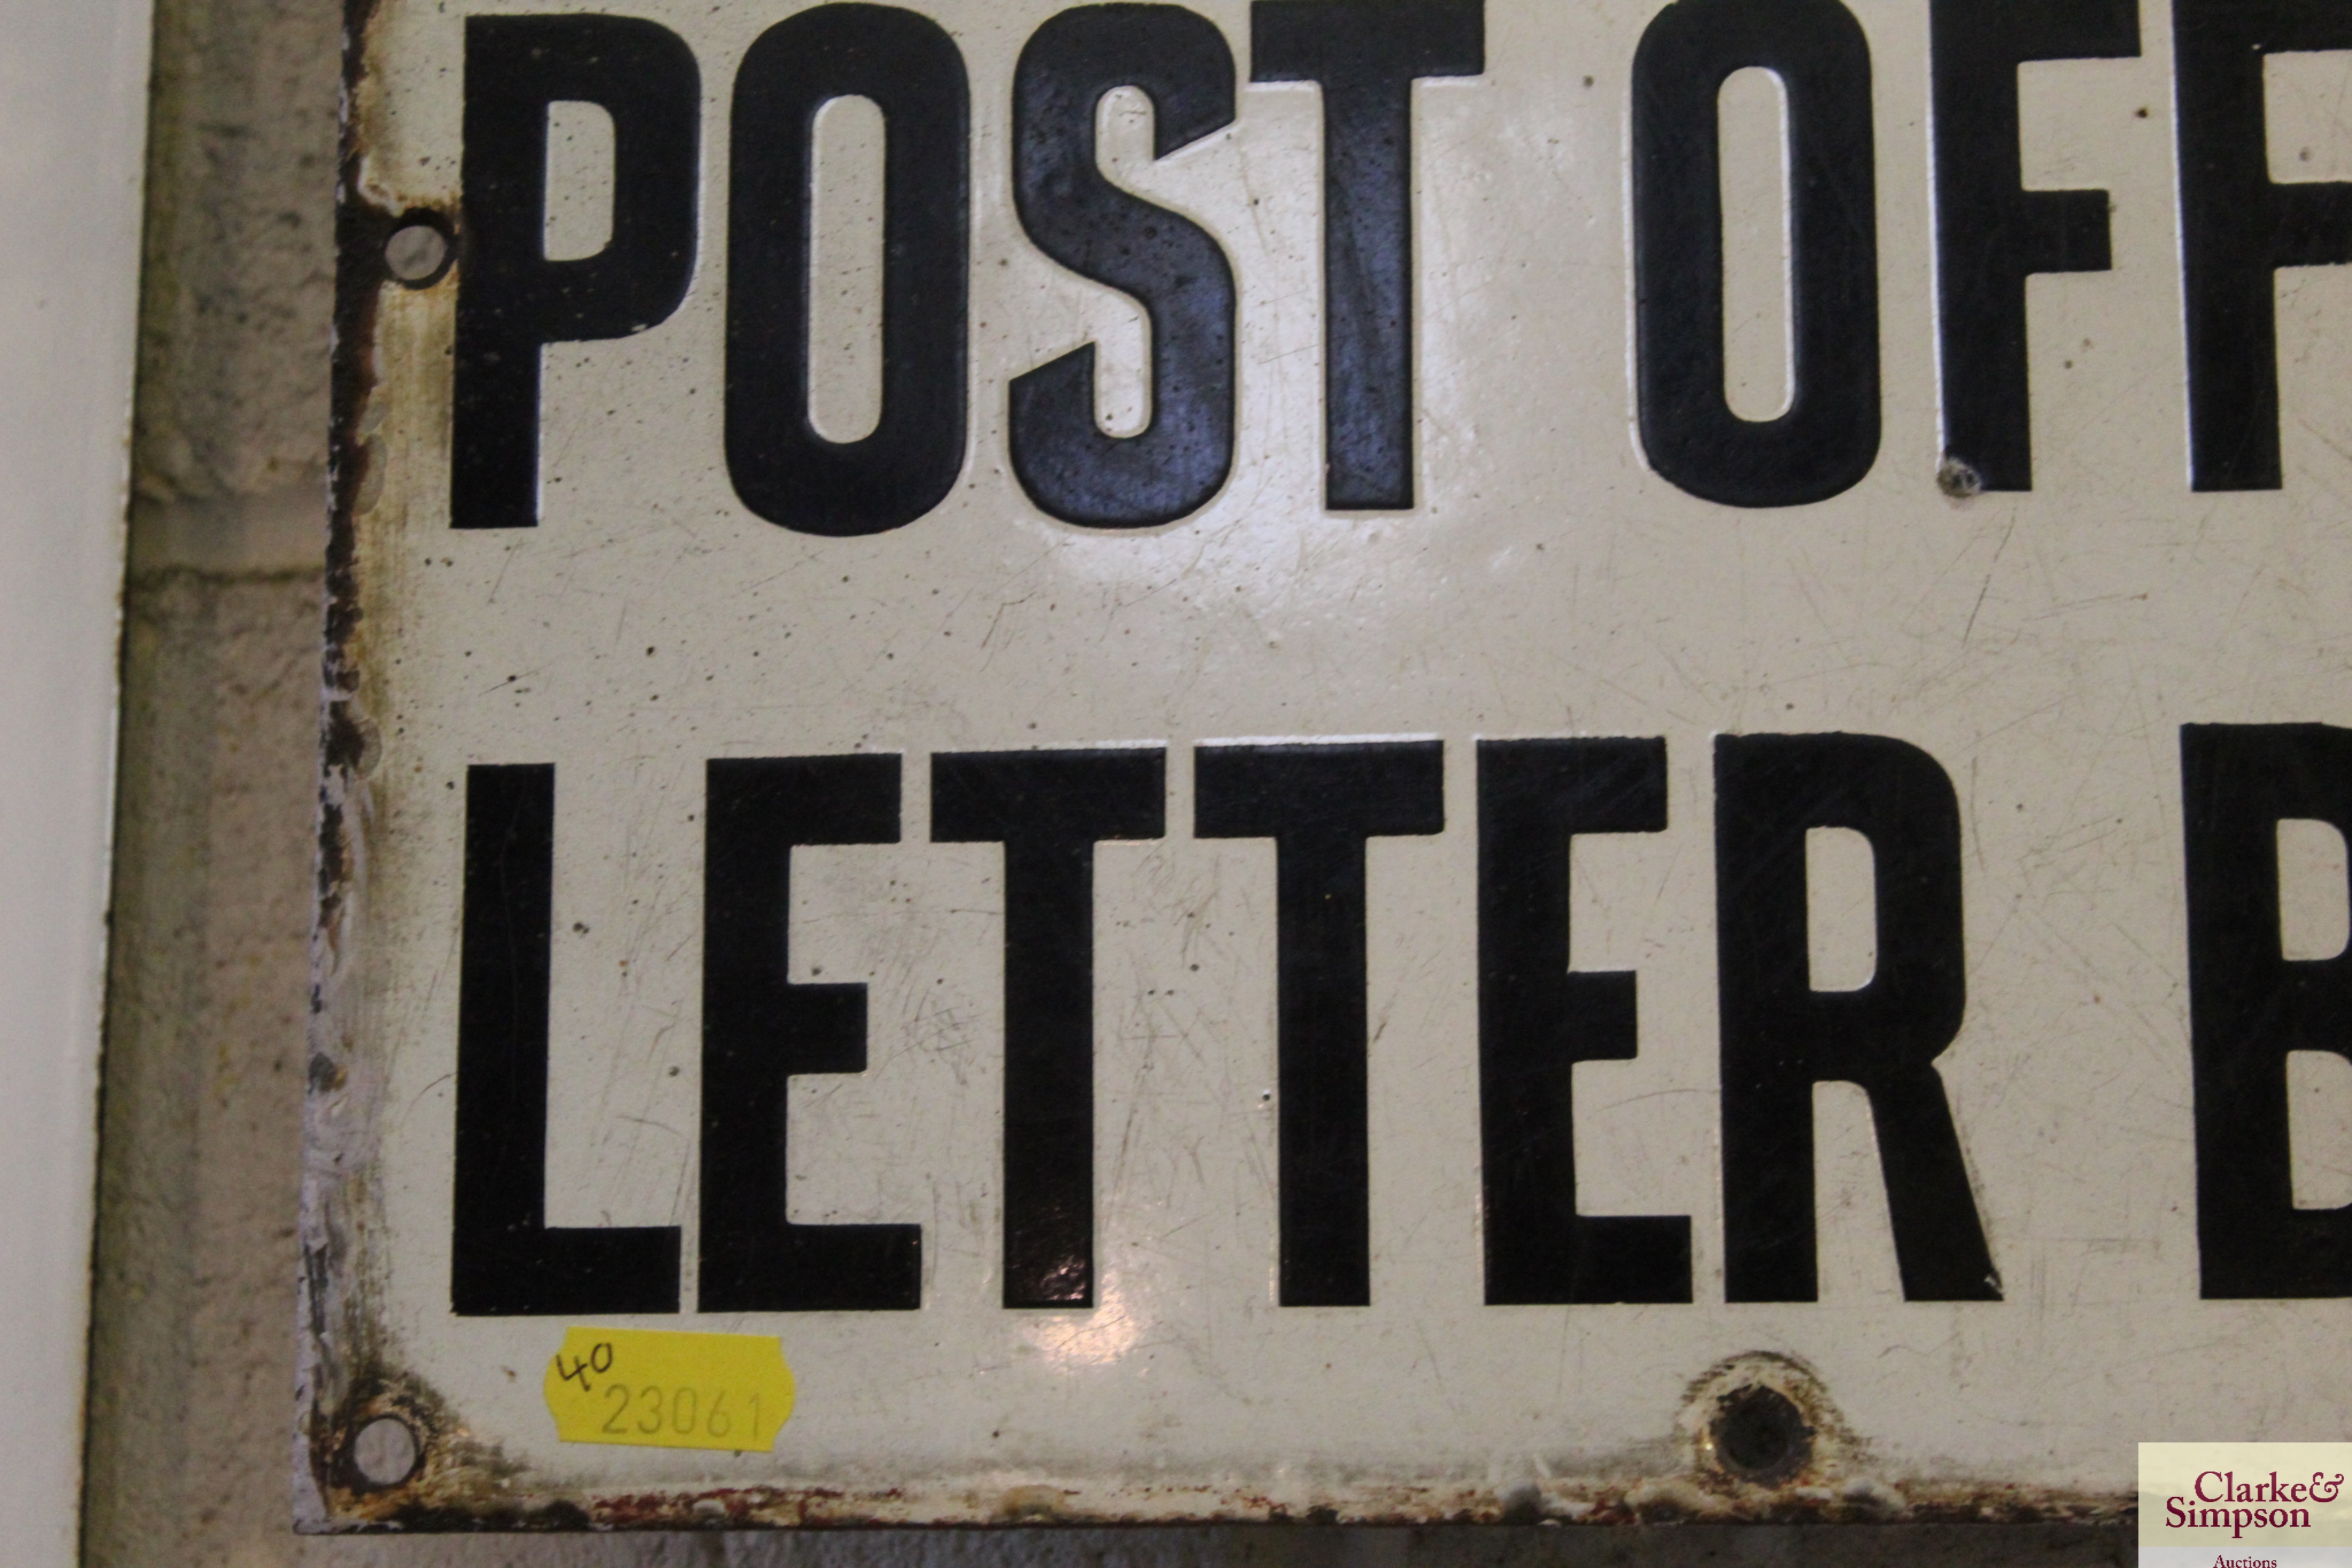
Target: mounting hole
x,y
385,1451
416,254
1760,1435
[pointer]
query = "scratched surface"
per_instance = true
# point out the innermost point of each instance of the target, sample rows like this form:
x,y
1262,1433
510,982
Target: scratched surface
x,y
2045,648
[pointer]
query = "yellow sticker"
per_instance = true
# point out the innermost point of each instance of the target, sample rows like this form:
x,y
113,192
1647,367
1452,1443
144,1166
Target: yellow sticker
x,y
659,1388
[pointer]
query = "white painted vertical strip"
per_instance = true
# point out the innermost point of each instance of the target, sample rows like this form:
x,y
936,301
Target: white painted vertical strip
x,y
73,111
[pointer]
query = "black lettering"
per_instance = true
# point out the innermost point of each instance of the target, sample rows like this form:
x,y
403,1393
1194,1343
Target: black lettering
x,y
1367,53
759,1030
513,301
1318,803
505,1259
1171,267
782,468
1780,1036
1827,438
1537,1021
2248,1004
1991,232
1049,809
2237,228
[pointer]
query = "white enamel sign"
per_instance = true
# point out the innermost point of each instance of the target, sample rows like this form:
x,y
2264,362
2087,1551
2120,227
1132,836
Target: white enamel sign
x,y
1363,759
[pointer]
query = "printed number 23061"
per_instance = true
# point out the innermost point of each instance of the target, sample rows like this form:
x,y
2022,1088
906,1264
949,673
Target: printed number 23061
x,y
683,1411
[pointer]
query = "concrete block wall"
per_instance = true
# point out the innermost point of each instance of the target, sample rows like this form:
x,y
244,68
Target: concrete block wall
x,y
191,1412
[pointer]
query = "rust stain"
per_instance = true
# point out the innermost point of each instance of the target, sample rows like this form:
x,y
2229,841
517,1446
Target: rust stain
x,y
463,1485
459,1498
342,1378
329,1340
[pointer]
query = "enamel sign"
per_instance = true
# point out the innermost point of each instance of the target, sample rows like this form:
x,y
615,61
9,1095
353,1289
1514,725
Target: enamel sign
x,y
1331,759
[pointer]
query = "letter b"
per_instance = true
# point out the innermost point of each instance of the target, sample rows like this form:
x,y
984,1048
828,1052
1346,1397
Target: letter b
x,y
2250,1005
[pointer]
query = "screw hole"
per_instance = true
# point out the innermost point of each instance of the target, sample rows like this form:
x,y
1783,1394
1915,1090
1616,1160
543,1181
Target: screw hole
x,y
1959,480
1760,1435
416,254
386,1452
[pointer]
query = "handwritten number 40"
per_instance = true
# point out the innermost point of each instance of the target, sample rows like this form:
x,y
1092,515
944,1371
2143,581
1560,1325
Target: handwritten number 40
x,y
599,1359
